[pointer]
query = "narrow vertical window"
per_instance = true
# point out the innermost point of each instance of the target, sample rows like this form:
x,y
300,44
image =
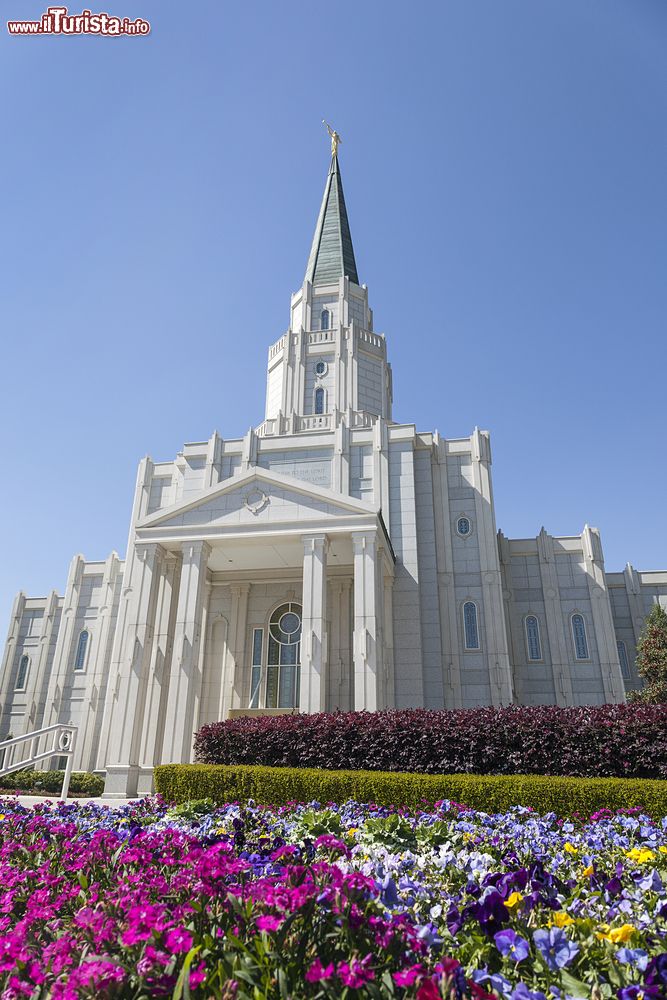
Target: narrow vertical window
x,y
82,646
470,628
22,675
623,659
533,643
256,678
579,637
319,400
324,319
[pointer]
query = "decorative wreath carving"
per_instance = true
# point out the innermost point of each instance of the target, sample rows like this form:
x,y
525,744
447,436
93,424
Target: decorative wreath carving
x,y
255,501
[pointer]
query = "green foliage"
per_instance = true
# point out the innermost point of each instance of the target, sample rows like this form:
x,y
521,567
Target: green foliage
x,y
51,782
490,793
652,657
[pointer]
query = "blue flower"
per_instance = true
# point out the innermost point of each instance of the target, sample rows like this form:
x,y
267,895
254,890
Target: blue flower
x,y
521,992
510,945
633,956
555,947
499,983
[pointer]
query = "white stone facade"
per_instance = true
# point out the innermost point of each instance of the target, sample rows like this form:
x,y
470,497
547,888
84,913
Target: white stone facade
x,y
369,549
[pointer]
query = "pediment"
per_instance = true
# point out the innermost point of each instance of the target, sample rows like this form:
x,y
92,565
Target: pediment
x,y
258,496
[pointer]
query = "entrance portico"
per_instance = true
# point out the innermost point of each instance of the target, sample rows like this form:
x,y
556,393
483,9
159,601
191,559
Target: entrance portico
x,y
241,595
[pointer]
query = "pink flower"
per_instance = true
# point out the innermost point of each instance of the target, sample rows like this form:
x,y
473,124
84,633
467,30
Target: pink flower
x,y
317,971
408,976
356,973
178,940
267,923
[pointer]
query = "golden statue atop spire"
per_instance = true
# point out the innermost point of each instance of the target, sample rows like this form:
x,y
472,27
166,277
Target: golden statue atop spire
x,y
335,138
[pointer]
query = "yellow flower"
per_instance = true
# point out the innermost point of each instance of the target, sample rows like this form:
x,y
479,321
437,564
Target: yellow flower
x,y
561,919
619,935
587,871
513,900
662,848
351,832
641,855
570,848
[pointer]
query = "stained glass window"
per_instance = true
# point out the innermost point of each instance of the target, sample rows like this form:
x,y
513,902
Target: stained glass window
x,y
623,658
80,658
579,636
22,674
256,677
319,401
284,657
324,319
463,526
470,627
533,638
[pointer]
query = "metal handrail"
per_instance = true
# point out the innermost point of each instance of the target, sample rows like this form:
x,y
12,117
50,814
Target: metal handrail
x,y
63,744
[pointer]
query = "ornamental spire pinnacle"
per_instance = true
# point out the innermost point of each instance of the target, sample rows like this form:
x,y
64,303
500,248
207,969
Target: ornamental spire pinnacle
x,y
332,254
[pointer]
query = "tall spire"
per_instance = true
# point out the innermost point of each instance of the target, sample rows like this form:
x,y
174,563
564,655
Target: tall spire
x,y
332,254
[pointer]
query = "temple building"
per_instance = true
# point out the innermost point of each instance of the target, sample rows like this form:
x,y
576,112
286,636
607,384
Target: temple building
x,y
328,559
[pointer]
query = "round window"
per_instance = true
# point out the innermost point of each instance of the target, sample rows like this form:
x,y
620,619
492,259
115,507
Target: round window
x,y
321,368
463,526
285,624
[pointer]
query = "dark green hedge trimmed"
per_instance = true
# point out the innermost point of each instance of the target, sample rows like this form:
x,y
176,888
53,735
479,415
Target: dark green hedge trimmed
x,y
491,793
51,782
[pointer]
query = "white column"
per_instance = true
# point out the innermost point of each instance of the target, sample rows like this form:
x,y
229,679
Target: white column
x,y
232,695
314,624
126,701
367,609
553,613
184,680
158,673
603,622
7,675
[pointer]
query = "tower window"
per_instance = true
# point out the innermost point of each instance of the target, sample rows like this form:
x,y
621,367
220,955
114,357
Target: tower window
x,y
319,400
623,659
579,637
82,646
325,319
463,526
470,627
533,643
22,675
321,368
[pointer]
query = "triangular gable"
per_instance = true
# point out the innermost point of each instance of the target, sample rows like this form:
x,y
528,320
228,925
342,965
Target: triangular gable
x,y
257,494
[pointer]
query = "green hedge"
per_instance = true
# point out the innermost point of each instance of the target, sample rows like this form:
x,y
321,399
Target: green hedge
x,y
81,782
491,793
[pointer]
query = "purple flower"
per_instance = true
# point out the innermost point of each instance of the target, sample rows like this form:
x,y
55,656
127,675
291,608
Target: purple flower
x,y
639,993
656,971
555,948
510,945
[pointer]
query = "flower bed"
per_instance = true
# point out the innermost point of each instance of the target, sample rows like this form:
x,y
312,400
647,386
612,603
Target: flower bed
x,y
343,901
588,741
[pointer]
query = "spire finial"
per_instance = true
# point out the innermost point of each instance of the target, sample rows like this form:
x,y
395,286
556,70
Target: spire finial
x,y
335,138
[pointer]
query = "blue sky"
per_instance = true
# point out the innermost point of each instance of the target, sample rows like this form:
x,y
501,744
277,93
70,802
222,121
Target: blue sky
x,y
504,164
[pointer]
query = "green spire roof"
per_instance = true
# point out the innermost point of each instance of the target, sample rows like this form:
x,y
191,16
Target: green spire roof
x,y
332,255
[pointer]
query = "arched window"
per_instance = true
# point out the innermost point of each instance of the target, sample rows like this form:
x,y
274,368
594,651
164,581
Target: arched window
x,y
319,400
284,657
22,675
470,628
533,643
82,646
325,319
623,659
579,637
463,526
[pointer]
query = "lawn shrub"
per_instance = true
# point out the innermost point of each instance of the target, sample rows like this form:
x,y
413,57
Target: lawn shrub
x,y
491,793
81,782
588,741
